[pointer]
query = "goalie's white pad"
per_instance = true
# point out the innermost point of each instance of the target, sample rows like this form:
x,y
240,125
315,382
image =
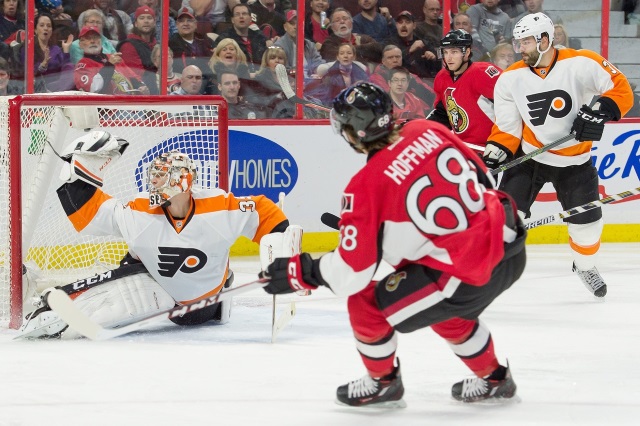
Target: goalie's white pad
x,y
280,244
83,117
89,155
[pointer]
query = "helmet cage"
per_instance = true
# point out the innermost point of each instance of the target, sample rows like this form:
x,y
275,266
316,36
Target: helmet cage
x,y
176,173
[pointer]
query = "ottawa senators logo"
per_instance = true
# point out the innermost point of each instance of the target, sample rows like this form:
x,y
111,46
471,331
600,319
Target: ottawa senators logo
x,y
394,280
185,260
555,104
458,117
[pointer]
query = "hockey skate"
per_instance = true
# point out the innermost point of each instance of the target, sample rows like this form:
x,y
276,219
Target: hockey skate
x,y
592,281
385,392
499,385
42,323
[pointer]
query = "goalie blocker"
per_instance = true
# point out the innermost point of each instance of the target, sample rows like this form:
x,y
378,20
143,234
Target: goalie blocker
x,y
116,298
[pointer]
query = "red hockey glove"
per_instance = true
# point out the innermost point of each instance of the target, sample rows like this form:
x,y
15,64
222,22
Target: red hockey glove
x,y
589,124
287,275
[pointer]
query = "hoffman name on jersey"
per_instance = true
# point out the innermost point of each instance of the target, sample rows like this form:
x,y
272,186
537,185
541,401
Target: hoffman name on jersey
x,y
411,155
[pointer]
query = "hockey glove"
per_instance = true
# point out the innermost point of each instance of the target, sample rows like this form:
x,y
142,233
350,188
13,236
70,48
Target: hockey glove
x,y
289,274
495,155
589,124
88,156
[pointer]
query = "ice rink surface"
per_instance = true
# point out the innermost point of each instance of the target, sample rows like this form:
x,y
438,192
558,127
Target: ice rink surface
x,y
575,361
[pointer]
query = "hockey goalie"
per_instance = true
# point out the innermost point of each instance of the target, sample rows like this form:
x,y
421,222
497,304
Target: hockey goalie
x,y
178,237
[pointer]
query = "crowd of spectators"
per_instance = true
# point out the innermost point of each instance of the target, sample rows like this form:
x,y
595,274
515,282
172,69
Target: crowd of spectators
x,y
231,47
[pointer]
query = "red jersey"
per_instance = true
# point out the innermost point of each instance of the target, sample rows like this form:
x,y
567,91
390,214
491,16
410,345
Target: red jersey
x,y
418,201
468,101
89,67
412,108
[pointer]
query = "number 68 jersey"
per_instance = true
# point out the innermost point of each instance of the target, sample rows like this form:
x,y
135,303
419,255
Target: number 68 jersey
x,y
420,200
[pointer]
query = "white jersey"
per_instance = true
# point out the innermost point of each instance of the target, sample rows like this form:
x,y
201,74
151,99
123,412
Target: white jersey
x,y
538,105
188,257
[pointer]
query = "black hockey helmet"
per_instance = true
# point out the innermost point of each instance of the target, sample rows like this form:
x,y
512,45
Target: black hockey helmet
x,y
366,108
456,38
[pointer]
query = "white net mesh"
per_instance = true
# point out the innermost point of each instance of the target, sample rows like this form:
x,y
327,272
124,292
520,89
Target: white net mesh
x,y
52,250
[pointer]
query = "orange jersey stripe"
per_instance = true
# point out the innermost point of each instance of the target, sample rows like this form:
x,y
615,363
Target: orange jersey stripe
x,y
85,214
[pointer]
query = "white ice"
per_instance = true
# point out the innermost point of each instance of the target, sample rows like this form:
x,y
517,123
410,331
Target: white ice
x,y
575,361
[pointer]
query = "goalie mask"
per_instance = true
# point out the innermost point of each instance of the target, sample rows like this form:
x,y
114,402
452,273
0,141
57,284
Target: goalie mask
x,y
169,174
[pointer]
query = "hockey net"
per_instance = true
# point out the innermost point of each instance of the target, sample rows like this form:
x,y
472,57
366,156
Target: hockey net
x,y
38,245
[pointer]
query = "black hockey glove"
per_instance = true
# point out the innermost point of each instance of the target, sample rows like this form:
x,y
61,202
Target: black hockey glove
x,y
287,275
495,155
589,124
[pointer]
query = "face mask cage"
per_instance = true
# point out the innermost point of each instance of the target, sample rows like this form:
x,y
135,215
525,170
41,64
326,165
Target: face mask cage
x,y
167,176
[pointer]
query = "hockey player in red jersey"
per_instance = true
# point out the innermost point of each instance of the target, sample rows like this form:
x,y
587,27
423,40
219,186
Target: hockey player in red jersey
x,y
425,204
541,99
464,91
178,236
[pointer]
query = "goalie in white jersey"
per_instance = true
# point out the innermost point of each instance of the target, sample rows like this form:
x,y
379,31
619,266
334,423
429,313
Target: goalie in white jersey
x,y
539,100
178,236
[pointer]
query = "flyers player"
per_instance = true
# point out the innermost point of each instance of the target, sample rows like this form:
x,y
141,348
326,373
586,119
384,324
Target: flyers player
x,y
424,203
464,91
178,236
541,99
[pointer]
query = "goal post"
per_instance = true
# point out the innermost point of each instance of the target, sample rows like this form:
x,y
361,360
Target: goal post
x,y
38,245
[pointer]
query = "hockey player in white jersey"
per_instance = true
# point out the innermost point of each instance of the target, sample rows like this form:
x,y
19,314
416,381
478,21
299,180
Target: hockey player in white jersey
x,y
178,237
540,99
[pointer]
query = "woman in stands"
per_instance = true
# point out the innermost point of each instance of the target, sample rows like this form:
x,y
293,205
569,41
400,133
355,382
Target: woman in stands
x,y
266,91
561,38
315,28
227,56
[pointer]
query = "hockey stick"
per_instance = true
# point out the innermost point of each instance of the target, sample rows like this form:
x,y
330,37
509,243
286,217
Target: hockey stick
x,y
283,79
331,220
62,304
532,154
583,208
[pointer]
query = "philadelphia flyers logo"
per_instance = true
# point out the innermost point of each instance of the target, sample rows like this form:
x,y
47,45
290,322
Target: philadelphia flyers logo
x,y
394,281
174,259
556,104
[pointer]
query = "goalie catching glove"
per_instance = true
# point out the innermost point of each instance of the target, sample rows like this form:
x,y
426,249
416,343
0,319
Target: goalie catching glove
x,y
289,274
87,157
589,124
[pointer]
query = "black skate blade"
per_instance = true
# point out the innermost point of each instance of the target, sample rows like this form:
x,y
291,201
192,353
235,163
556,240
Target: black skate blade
x,y
380,405
491,401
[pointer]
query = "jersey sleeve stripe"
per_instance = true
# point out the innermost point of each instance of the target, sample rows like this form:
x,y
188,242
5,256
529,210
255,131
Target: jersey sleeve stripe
x,y
85,213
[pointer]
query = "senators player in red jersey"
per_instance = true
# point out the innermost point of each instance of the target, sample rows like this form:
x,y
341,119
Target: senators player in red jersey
x,y
425,204
464,91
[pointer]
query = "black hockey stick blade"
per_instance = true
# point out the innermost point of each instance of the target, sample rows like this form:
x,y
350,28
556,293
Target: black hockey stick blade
x,y
331,220
62,304
283,80
583,208
532,154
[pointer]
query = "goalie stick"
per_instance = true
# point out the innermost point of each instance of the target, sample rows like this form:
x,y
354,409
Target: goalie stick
x,y
283,79
583,208
62,304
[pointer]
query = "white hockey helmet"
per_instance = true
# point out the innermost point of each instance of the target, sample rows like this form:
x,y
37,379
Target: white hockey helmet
x,y
534,24
168,175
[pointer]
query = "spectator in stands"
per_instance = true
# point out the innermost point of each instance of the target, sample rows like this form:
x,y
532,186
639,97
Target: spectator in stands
x,y
342,74
368,51
53,70
314,29
287,42
418,54
99,72
430,28
229,88
503,55
92,18
265,89
392,58
350,5
493,25
513,8
189,47
227,56
372,23
136,48
252,42
173,78
190,81
415,7
535,6
461,21
117,23
562,39
264,14
11,21
209,12
406,106
8,86
155,5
